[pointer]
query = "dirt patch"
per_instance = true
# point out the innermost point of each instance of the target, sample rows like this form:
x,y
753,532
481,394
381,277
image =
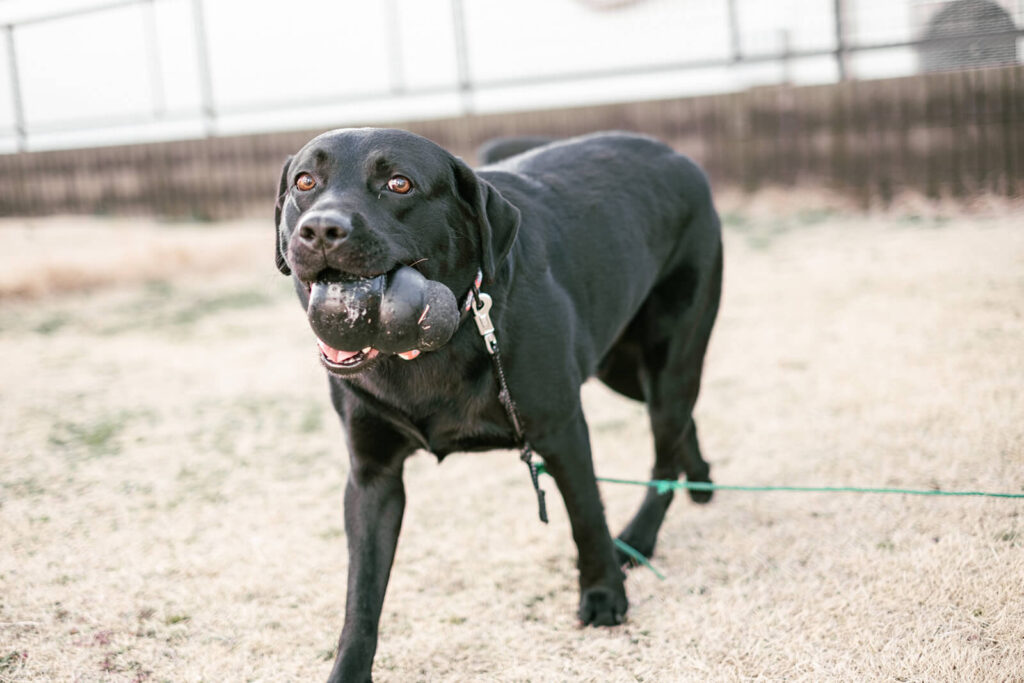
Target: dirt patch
x,y
171,476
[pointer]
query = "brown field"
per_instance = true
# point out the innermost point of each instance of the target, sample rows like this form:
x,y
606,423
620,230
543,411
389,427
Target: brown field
x,y
171,474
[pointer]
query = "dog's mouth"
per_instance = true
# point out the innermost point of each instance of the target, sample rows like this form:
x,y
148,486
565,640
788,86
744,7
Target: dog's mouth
x,y
347,361
358,320
344,362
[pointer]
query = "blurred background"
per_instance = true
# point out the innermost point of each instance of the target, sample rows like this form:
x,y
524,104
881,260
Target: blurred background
x,y
171,471
186,108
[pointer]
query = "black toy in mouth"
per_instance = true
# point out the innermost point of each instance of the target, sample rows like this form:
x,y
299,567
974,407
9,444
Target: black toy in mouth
x,y
400,312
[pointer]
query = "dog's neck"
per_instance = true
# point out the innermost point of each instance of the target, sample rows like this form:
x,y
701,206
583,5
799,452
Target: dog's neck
x,y
417,395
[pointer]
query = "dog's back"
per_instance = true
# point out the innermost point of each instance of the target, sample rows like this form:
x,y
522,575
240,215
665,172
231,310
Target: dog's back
x,y
611,215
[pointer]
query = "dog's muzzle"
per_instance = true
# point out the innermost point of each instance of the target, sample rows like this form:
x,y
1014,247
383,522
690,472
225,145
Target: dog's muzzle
x,y
399,312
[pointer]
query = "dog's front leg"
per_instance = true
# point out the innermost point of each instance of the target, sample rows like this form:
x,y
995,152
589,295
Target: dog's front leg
x,y
374,504
373,516
568,459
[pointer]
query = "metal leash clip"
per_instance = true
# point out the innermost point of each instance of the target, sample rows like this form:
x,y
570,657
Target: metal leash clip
x,y
482,315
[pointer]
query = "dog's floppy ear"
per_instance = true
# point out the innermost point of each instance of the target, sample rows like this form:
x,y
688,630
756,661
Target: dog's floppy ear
x,y
282,190
497,219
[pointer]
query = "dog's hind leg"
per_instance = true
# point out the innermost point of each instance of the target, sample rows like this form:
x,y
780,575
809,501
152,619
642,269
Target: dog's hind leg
x,y
671,452
670,373
567,457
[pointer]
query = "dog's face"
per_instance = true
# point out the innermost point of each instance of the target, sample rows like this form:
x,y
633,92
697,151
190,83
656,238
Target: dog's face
x,y
355,204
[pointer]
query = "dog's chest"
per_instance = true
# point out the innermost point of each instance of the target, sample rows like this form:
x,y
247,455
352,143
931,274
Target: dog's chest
x,y
446,433
445,415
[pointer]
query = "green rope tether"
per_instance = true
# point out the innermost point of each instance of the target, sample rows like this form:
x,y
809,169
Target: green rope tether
x,y
637,556
664,486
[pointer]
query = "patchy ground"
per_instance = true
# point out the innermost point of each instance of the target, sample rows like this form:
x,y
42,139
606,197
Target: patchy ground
x,y
171,475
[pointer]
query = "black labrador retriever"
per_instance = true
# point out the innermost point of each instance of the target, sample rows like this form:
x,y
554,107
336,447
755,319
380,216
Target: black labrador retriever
x,y
601,256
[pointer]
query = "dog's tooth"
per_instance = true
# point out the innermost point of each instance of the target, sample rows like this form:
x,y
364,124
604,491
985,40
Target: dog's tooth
x,y
367,349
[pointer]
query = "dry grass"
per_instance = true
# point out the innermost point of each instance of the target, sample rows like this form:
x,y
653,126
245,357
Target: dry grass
x,y
171,476
54,256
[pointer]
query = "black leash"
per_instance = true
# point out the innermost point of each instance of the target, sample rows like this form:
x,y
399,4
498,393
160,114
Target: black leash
x,y
482,315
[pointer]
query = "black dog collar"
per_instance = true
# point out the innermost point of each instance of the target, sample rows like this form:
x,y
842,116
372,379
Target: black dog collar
x,y
468,302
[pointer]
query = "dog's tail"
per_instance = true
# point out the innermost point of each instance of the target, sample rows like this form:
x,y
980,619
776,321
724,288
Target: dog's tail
x,y
499,149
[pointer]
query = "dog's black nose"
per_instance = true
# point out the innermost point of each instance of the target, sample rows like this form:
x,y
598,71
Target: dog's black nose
x,y
324,229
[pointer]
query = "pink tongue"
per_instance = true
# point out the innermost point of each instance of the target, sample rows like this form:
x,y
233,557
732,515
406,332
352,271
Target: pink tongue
x,y
334,355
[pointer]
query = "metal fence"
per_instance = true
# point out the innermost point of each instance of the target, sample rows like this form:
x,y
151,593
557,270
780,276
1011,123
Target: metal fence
x,y
160,69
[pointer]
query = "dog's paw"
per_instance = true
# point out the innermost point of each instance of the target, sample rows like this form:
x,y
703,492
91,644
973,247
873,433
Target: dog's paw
x,y
603,606
701,497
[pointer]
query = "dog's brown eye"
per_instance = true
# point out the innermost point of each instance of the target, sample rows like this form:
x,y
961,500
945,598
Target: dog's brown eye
x,y
399,184
305,182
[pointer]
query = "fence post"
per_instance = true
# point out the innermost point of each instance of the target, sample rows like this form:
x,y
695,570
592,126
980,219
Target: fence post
x,y
395,53
20,131
462,56
786,56
203,63
734,31
156,78
839,10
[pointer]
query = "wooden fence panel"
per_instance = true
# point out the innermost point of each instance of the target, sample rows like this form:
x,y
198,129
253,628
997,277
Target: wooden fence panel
x,y
958,134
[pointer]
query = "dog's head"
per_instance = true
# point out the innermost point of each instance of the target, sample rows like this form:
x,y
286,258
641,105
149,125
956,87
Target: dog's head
x,y
359,204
